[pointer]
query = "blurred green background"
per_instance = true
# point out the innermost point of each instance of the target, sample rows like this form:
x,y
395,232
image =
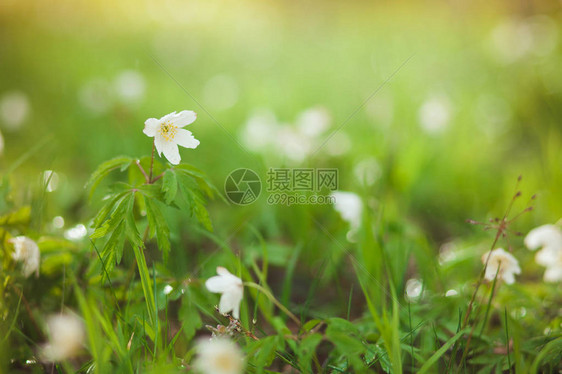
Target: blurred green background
x,y
448,101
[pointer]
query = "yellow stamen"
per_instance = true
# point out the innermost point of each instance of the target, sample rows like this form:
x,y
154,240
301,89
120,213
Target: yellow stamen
x,y
168,131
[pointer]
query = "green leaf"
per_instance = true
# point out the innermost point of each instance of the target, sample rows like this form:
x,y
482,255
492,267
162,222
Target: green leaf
x,y
113,249
157,222
170,186
195,203
266,349
307,349
19,217
435,357
104,169
116,217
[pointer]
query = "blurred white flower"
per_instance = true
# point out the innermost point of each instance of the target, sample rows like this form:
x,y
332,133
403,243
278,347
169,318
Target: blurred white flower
x,y
130,86
292,144
168,289
220,92
367,171
58,222
218,356
66,336
96,96
260,130
27,251
451,293
51,180
313,122
516,38
434,114
76,233
507,264
263,132
230,287
350,207
14,109
168,134
553,273
549,239
414,288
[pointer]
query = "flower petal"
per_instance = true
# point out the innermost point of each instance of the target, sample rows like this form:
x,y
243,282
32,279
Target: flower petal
x,y
151,126
160,143
172,152
230,301
186,139
218,284
184,118
544,236
553,274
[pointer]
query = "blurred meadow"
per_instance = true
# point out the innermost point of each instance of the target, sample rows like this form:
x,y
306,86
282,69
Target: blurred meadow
x,y
430,111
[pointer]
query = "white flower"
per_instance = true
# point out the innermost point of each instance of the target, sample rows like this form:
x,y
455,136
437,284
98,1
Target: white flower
x,y
434,114
313,122
260,131
230,287
218,356
130,86
507,264
26,250
168,134
14,110
367,171
66,336
549,239
350,207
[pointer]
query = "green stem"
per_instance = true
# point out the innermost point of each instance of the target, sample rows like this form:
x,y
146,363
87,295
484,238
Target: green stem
x,y
151,163
274,300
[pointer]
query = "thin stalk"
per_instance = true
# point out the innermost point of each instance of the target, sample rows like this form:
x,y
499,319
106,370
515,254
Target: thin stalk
x,y
274,300
151,163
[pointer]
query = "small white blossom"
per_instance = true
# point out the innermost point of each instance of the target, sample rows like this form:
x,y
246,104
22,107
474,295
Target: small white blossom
x,y
350,207
168,134
218,356
66,337
507,264
549,239
130,86
14,110
230,287
434,114
27,251
313,122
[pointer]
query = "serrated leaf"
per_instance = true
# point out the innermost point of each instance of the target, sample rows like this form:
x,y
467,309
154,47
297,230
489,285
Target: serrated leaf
x,y
195,203
104,169
157,222
116,217
106,209
170,186
115,244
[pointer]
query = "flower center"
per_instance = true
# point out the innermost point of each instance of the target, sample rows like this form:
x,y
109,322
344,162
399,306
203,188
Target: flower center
x,y
168,131
225,361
